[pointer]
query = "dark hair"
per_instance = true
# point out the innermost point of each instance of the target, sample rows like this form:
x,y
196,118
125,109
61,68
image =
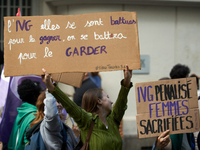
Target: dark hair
x,y
1,57
29,91
164,78
179,71
197,79
90,99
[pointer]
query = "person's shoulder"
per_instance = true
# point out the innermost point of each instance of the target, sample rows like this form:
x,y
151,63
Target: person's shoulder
x,y
89,84
175,137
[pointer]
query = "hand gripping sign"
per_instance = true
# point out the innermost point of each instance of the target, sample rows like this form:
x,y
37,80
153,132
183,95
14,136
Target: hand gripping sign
x,y
71,43
167,105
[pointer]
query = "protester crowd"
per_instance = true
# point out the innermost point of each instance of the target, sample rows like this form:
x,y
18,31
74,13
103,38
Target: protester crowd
x,y
40,122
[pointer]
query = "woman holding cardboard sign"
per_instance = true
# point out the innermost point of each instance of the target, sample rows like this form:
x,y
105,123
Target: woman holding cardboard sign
x,y
98,109
183,141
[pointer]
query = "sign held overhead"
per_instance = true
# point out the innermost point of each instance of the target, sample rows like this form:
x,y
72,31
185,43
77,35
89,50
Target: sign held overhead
x,y
71,43
167,105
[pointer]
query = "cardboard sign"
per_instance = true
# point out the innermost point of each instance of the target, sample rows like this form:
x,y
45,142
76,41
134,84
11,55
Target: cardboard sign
x,y
73,43
71,78
167,105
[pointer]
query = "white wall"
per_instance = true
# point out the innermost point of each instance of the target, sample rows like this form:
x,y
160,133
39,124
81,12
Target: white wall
x,y
188,37
156,26
169,35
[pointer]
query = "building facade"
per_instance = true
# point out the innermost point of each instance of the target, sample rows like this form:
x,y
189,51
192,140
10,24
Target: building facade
x,y
169,33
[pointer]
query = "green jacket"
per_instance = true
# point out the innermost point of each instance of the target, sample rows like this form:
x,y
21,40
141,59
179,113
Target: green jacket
x,y
177,140
102,138
22,122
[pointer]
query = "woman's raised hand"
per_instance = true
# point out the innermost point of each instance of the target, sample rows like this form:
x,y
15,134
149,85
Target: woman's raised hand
x,y
163,140
127,77
46,78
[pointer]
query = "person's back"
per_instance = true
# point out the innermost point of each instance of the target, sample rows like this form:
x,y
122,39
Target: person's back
x,y
182,141
86,85
51,133
96,78
52,128
28,91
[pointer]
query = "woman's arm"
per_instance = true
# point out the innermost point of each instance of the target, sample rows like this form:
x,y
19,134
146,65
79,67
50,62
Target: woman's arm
x,y
50,107
51,119
81,117
121,104
127,77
